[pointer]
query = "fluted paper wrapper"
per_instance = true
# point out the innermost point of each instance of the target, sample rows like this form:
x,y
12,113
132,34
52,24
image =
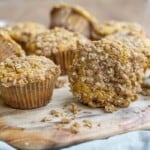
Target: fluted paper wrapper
x,y
64,59
30,96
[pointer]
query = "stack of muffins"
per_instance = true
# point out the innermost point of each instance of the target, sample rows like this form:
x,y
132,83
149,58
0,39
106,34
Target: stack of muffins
x,y
105,62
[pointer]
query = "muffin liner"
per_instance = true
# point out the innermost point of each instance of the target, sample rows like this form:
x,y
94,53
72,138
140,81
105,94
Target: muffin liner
x,y
64,59
30,96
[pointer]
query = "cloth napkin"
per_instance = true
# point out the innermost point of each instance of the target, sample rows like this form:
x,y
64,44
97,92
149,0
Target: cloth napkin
x,y
139,140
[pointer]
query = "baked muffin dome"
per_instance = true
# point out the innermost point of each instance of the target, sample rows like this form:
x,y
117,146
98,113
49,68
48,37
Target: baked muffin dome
x,y
21,32
138,44
58,44
8,47
27,82
16,71
106,74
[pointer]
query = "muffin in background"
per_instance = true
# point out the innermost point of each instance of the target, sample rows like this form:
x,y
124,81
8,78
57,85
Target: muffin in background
x,y
59,44
106,74
74,18
8,47
112,27
27,82
21,32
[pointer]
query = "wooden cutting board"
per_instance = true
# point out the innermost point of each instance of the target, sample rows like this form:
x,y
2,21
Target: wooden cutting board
x,y
24,129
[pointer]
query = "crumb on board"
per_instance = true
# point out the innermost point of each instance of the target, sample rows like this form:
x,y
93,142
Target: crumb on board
x,y
60,83
65,120
110,108
55,113
74,128
74,108
45,119
87,123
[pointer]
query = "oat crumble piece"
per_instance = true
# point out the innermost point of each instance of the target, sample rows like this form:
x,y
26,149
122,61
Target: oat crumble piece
x,y
74,108
55,113
88,123
74,128
65,120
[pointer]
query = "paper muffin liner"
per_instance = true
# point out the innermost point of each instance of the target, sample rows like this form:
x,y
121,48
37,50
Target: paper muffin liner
x,y
30,96
64,59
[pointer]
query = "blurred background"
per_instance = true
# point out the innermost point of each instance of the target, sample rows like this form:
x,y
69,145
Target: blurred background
x,y
38,10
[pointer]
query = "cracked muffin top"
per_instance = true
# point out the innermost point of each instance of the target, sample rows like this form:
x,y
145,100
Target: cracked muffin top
x,y
106,74
20,71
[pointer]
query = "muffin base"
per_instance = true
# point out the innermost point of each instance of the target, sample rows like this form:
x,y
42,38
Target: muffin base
x,y
30,96
64,59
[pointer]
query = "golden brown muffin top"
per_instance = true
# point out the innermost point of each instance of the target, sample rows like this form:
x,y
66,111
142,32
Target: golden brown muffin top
x,y
57,39
21,32
140,45
16,71
106,74
6,43
111,27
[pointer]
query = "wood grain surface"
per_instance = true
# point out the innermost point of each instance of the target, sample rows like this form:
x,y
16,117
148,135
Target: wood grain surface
x,y
23,129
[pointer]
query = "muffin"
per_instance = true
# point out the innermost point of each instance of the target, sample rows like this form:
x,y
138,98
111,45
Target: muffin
x,y
111,27
59,44
9,47
74,18
138,44
27,82
106,74
23,31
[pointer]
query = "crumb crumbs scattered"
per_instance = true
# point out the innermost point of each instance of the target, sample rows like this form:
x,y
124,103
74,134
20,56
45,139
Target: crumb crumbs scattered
x,y
60,83
87,123
110,108
55,113
74,108
65,121
74,128
45,119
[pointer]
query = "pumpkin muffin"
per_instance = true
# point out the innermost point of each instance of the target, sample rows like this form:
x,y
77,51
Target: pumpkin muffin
x,y
106,74
74,18
8,47
112,27
23,31
59,44
27,82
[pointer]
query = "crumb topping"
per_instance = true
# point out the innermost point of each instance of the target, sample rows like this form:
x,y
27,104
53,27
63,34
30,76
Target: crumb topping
x,y
57,39
23,70
106,73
